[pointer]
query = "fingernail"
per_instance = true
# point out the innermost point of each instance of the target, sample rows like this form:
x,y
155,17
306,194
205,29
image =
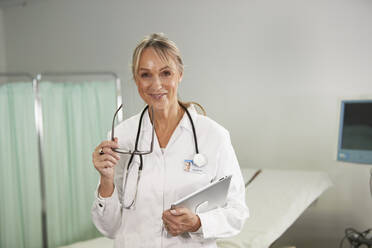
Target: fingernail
x,y
173,211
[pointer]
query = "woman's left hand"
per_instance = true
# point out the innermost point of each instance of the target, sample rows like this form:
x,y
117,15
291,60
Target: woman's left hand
x,y
180,220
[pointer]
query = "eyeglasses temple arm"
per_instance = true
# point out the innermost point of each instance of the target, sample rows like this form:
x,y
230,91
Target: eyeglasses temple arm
x,y
113,123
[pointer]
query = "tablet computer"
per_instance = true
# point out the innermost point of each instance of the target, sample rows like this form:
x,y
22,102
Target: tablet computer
x,y
206,198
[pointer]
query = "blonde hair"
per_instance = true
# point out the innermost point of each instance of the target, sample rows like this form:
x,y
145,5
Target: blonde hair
x,y
166,50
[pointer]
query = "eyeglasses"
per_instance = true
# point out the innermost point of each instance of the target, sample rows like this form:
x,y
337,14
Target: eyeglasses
x,y
135,152
132,153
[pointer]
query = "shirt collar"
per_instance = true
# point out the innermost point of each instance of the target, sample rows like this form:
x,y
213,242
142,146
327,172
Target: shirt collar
x,y
184,123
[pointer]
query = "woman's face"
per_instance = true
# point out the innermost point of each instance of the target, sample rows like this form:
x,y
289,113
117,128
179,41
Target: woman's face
x,y
157,81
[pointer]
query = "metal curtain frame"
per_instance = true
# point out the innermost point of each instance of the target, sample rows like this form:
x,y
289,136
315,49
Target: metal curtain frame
x,y
39,123
39,132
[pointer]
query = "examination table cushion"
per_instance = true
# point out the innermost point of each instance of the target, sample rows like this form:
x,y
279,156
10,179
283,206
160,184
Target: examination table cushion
x,y
275,198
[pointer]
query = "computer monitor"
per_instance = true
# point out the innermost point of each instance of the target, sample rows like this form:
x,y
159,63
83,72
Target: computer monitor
x,y
355,134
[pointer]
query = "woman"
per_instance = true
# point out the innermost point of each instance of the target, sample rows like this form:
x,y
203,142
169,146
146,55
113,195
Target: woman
x,y
143,219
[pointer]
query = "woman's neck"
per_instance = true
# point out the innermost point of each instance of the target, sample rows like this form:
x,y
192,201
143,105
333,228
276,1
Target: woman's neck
x,y
166,121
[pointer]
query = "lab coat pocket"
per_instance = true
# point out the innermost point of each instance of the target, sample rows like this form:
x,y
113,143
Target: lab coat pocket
x,y
128,239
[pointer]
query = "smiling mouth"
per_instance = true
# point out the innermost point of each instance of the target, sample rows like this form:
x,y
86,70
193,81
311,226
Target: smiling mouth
x,y
157,96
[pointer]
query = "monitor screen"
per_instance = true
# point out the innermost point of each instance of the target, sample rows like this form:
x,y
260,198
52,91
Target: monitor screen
x,y
357,128
355,139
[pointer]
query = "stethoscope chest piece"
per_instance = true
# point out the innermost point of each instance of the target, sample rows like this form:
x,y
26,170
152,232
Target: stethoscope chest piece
x,y
199,160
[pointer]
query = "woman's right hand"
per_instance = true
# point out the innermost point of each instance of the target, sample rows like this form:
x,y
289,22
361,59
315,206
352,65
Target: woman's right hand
x,y
105,162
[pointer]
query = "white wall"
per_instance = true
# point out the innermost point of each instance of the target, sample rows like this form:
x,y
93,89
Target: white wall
x,y
2,44
272,72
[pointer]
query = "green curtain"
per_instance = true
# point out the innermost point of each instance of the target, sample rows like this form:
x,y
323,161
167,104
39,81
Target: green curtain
x,y
76,119
20,209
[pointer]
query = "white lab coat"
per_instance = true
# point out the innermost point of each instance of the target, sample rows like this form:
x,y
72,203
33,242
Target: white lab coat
x,y
164,181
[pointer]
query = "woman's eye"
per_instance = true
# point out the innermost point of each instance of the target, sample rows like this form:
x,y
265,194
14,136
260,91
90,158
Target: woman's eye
x,y
145,75
166,73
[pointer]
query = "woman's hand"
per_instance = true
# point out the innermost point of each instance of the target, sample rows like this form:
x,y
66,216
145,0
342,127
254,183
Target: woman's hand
x,y
105,163
180,220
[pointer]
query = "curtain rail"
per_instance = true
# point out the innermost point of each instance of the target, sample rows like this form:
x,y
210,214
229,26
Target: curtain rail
x,y
78,73
17,74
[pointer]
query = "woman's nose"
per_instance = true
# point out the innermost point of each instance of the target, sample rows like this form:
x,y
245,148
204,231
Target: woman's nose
x,y
156,82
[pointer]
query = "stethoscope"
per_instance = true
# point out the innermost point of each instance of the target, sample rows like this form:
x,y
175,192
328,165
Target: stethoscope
x,y
199,159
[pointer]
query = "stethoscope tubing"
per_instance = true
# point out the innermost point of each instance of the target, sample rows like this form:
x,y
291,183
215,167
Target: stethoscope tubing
x,y
140,155
193,128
